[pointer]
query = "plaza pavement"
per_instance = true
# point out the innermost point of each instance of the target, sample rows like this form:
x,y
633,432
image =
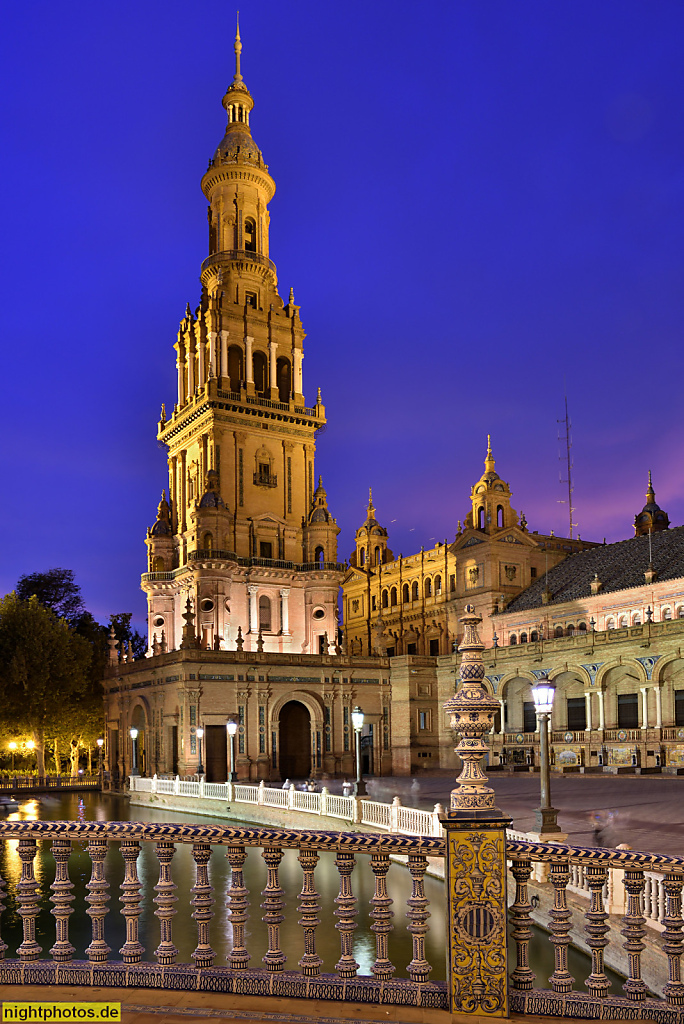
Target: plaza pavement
x,y
645,811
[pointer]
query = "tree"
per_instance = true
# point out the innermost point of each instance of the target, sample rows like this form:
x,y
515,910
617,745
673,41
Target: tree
x,y
124,633
56,589
44,670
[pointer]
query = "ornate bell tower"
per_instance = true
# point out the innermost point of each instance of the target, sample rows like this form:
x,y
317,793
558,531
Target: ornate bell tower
x,y
243,536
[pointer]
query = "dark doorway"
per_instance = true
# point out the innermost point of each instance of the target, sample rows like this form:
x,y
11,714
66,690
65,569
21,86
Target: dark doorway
x,y
216,757
174,749
295,741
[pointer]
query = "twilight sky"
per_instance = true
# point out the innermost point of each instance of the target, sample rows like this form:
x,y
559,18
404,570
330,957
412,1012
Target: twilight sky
x,y
476,201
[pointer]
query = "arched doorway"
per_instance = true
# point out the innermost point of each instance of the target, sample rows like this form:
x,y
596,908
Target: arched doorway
x,y
295,741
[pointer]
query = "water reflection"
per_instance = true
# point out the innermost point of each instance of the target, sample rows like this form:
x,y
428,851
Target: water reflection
x,y
104,807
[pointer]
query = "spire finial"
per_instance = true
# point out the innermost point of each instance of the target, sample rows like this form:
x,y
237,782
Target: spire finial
x,y
238,51
489,458
650,493
371,506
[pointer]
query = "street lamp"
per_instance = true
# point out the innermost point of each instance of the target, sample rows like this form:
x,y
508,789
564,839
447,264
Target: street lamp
x,y
542,694
134,738
232,728
357,722
200,733
13,748
100,744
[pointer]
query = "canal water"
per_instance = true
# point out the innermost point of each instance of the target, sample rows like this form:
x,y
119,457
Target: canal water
x,y
106,807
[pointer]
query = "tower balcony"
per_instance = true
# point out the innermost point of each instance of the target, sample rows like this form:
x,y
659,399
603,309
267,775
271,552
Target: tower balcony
x,y
242,256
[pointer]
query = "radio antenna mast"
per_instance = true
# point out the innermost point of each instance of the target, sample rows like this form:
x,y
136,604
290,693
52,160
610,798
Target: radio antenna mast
x,y
566,437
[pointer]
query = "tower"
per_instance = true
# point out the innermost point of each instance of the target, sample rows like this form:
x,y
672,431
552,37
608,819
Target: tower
x,y
491,500
242,536
651,519
371,540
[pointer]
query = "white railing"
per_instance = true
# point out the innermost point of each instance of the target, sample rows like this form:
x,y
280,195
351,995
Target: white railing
x,y
276,797
305,801
246,794
342,806
378,815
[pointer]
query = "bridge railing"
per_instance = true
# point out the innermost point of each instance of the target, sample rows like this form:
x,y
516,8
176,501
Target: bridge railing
x,y
110,844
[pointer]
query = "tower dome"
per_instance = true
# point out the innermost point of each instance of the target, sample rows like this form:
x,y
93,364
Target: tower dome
x,y
652,518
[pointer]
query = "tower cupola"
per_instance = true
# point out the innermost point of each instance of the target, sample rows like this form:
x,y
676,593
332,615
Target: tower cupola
x,y
371,540
491,500
652,518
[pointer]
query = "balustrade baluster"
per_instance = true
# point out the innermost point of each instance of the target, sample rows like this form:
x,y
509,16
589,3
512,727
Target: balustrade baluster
x,y
165,952
634,931
519,912
61,898
346,966
97,897
560,914
309,908
238,904
203,901
648,896
3,945
132,949
27,898
419,969
673,940
596,928
272,906
382,916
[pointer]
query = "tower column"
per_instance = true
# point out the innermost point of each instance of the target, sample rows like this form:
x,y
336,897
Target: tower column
x,y
601,710
285,610
659,707
298,385
191,373
224,354
502,727
587,702
644,705
273,380
253,609
180,366
249,363
212,354
201,361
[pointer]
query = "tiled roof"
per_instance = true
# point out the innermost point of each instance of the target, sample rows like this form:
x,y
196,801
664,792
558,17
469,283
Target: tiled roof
x,y
619,567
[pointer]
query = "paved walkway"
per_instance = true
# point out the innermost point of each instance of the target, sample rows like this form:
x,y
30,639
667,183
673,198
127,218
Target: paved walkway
x,y
154,1006
646,811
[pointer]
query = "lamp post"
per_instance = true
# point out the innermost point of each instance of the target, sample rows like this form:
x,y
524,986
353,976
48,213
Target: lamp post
x,y
13,748
200,733
357,722
232,728
547,816
134,765
100,745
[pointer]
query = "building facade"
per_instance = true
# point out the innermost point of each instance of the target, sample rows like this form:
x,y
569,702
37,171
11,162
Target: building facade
x,y
244,543
411,605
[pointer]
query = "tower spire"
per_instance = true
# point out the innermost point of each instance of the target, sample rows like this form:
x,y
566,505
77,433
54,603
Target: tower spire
x,y
650,493
489,459
238,50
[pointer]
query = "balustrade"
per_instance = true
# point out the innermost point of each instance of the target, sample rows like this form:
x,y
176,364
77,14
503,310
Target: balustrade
x,y
653,888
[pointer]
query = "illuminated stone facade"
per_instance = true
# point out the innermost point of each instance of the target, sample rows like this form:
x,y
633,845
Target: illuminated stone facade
x,y
244,536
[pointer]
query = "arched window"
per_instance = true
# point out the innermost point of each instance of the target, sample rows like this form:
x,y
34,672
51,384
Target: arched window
x,y
362,554
284,378
405,594
235,367
158,564
260,372
428,587
610,622
414,590
480,518
384,599
523,638
623,622
582,627
534,636
377,556
499,515
558,631
636,619
438,585
264,613
319,554
250,234
207,542
393,596
512,640
570,630
680,612
666,614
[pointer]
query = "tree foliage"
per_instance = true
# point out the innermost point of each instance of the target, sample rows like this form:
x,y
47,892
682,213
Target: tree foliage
x,y
56,589
44,670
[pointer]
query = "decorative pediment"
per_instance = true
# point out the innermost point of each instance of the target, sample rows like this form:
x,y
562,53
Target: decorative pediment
x,y
473,540
510,539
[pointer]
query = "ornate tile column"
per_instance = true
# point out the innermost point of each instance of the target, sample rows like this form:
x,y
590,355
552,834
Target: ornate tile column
x,y
476,848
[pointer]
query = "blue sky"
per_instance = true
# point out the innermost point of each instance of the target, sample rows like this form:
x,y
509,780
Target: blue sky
x,y
477,202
